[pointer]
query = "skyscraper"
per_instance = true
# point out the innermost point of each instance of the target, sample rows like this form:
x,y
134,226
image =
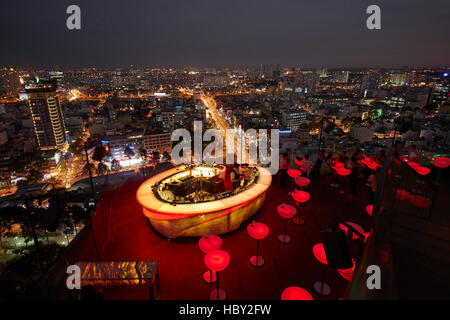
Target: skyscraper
x,y
47,115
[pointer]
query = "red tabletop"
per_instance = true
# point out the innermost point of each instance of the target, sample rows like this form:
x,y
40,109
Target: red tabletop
x,y
300,196
355,226
258,230
294,173
302,181
286,211
440,162
210,243
422,170
217,260
343,171
296,293
319,253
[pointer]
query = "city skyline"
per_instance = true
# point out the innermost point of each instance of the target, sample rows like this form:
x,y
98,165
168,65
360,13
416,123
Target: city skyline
x,y
205,34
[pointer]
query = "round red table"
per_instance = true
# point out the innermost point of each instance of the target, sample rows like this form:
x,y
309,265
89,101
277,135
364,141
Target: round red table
x,y
441,162
299,197
343,171
321,287
209,243
287,212
422,170
294,173
302,181
296,293
258,231
217,260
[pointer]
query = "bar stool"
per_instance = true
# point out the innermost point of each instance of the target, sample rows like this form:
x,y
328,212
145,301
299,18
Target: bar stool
x,y
294,173
296,293
302,182
258,231
299,197
321,287
217,260
287,212
210,243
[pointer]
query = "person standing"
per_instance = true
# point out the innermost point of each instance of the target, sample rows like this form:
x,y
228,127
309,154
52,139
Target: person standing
x,y
318,165
306,165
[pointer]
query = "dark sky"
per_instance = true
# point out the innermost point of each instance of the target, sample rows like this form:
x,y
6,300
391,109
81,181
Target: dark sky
x,y
307,33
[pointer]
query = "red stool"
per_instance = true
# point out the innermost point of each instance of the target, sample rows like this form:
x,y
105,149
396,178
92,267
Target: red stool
x,y
441,162
302,181
217,261
299,197
296,293
210,243
287,212
294,173
258,231
321,287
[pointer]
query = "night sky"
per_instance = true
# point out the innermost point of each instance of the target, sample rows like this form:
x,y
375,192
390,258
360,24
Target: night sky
x,y
154,33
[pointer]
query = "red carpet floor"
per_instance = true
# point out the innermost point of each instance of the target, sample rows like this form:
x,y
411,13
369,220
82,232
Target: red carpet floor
x,y
123,233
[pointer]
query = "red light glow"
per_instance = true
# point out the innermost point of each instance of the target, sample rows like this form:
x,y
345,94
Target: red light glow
x,y
217,260
258,230
210,243
286,211
319,253
296,293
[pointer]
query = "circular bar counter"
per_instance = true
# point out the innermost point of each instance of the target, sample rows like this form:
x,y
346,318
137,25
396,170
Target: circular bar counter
x,y
195,219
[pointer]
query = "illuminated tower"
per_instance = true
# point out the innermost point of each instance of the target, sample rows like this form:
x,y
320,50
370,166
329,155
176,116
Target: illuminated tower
x,y
47,116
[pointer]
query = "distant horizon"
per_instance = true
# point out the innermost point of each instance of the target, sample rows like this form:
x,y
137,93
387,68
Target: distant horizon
x,y
166,67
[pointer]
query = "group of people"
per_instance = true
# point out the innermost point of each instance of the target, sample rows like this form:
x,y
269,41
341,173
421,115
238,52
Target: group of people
x,y
237,175
323,167
304,164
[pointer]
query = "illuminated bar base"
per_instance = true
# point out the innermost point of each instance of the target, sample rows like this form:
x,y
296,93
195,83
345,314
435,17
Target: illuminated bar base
x,y
174,216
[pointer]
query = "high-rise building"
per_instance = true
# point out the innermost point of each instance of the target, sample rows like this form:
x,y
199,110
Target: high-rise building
x,y
47,115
